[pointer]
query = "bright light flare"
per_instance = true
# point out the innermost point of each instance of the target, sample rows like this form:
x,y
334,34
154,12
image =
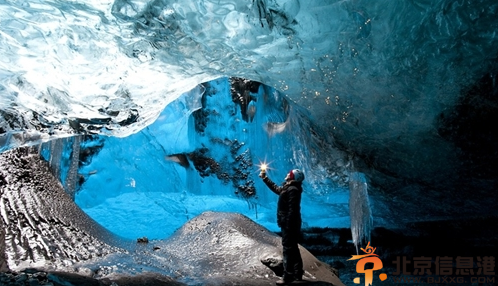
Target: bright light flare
x,y
264,166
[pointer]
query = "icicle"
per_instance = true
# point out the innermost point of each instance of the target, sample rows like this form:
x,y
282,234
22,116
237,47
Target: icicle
x,y
63,166
359,209
72,173
56,149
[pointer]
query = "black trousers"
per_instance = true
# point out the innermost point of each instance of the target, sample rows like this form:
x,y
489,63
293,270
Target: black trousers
x,y
293,263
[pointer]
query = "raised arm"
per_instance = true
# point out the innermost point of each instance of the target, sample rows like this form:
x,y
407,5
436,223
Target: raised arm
x,y
271,185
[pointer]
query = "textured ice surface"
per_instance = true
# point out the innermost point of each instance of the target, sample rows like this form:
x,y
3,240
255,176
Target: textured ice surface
x,y
41,225
112,66
225,245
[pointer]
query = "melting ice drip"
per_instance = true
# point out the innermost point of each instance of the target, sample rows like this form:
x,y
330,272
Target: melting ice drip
x,y
359,209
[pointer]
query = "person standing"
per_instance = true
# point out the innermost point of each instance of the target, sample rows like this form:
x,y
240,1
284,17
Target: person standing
x,y
289,221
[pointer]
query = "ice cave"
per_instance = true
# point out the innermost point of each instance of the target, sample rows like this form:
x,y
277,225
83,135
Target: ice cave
x,y
132,133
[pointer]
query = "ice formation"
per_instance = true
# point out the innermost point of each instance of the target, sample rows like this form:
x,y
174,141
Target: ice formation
x,y
398,87
111,67
359,210
206,158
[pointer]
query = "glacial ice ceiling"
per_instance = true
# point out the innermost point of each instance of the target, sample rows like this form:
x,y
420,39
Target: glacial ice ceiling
x,y
406,89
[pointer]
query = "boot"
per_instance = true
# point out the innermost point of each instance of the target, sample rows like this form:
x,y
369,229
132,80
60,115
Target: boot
x,y
299,276
284,282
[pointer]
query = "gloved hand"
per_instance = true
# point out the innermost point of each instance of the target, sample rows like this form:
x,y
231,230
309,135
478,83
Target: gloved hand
x,y
262,175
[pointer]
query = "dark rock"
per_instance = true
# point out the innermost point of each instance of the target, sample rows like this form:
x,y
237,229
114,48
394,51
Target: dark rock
x,y
142,240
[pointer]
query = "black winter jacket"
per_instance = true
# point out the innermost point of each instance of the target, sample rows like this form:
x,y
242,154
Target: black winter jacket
x,y
289,203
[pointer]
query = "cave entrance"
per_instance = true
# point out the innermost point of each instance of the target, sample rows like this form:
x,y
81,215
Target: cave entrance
x,y
202,153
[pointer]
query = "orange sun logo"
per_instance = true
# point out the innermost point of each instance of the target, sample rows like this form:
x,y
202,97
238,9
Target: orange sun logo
x,y
369,257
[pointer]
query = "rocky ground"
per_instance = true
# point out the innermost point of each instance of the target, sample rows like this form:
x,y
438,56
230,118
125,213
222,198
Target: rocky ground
x,y
334,247
34,277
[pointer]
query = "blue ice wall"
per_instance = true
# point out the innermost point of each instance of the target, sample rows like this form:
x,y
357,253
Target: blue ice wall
x,y
149,183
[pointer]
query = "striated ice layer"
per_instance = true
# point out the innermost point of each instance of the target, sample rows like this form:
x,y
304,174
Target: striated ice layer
x,y
110,67
41,227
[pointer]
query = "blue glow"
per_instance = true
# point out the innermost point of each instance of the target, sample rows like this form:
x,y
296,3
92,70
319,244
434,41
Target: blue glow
x,y
135,187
